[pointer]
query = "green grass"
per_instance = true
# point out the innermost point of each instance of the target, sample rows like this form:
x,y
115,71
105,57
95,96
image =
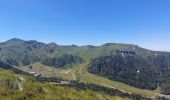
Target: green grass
x,y
34,90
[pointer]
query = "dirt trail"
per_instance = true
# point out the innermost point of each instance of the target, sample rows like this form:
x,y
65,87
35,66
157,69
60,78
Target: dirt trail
x,y
65,71
116,88
74,77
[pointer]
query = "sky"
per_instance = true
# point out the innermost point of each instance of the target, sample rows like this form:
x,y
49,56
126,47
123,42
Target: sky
x,y
88,22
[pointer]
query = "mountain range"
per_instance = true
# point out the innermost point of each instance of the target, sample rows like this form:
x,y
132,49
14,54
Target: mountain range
x,y
126,63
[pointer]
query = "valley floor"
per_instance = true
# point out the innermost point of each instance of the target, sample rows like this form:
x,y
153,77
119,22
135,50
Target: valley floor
x,y
79,72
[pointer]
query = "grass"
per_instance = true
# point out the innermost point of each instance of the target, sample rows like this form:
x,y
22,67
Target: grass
x,y
34,90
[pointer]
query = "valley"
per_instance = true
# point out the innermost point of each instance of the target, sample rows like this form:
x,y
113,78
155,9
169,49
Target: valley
x,y
122,67
79,72
84,50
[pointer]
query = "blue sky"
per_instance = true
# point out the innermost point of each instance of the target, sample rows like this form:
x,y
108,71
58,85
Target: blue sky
x,y
142,22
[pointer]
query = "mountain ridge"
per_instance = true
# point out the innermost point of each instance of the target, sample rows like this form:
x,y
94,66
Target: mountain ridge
x,y
75,45
105,44
15,51
112,58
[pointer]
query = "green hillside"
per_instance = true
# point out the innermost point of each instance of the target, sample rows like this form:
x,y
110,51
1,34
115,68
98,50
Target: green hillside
x,y
146,73
111,65
21,87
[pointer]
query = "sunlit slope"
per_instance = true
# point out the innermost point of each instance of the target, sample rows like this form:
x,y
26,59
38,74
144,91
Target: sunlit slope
x,y
19,87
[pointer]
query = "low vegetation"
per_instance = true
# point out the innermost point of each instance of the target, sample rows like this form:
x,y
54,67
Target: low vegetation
x,y
20,87
61,61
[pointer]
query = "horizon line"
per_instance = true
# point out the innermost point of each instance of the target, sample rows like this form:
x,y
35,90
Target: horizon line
x,y
84,44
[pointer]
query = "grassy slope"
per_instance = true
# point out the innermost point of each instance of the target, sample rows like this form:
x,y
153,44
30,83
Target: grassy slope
x,y
33,90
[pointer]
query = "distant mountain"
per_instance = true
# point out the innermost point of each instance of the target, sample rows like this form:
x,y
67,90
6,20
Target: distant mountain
x,y
19,52
126,63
